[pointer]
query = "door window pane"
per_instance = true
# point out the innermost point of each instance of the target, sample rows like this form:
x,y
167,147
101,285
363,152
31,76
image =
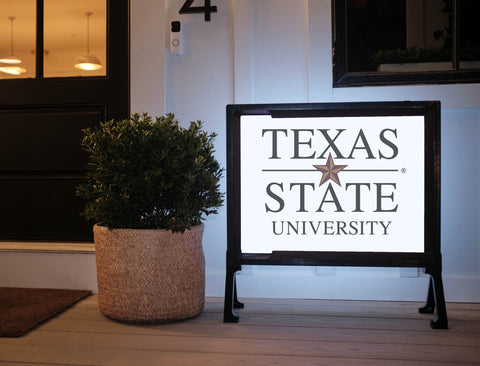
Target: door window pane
x,y
75,33
17,39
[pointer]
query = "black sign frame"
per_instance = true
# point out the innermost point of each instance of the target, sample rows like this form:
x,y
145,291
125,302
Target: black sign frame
x,y
430,259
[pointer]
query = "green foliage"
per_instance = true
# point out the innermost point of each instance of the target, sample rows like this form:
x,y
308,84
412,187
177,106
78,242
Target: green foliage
x,y
468,52
410,54
147,174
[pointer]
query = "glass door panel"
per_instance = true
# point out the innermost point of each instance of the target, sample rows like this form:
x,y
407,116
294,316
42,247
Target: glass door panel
x,y
75,38
17,39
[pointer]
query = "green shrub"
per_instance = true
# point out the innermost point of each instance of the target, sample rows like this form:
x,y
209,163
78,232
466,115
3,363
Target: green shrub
x,y
468,52
146,174
410,54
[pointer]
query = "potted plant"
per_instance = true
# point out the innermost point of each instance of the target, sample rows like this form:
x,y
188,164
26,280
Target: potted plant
x,y
150,183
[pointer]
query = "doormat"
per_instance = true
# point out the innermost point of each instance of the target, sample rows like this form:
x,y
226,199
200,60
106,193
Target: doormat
x,y
22,309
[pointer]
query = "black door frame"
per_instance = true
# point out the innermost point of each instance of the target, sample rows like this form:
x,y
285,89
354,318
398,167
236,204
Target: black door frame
x,y
55,100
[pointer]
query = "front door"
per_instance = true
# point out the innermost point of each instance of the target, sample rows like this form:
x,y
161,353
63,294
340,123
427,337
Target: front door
x,y
47,100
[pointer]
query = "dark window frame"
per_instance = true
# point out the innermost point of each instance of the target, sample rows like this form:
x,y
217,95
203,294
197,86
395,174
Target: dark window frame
x,y
343,78
111,15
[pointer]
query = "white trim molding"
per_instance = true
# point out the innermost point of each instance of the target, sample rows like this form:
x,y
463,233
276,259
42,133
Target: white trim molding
x,y
45,247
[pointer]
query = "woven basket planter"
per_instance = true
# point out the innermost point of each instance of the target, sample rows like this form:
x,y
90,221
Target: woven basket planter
x,y
150,275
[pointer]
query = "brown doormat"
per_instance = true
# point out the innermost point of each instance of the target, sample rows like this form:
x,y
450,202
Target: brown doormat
x,y
22,309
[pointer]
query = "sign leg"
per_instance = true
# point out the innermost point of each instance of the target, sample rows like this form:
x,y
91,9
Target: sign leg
x,y
440,321
229,315
236,304
429,306
436,300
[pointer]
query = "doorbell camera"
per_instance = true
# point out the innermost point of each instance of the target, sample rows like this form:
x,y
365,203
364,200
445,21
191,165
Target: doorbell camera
x,y
176,38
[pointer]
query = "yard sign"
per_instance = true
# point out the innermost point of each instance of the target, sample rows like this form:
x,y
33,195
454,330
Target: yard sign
x,y
334,184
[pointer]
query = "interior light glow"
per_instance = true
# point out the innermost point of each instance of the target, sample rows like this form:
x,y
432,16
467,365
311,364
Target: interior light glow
x,y
12,70
10,60
88,61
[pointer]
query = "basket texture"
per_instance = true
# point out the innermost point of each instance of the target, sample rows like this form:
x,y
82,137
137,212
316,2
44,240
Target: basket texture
x,y
150,276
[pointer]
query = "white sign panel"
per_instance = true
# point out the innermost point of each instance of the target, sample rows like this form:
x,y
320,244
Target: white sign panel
x,y
341,184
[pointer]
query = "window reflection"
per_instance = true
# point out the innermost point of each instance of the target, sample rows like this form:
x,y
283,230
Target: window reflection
x,y
74,31
17,39
469,35
412,35
399,35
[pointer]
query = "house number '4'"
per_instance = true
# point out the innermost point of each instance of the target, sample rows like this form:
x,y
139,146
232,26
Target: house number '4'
x,y
207,9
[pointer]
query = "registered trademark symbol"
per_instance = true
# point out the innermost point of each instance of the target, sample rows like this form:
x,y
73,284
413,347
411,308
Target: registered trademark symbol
x,y
403,170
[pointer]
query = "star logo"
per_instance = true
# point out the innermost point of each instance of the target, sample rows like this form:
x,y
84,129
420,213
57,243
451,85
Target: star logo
x,y
330,171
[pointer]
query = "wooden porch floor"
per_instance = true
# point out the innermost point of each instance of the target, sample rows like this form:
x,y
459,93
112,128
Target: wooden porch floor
x,y
270,332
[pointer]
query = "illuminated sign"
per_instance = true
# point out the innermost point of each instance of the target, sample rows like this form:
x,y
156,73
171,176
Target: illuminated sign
x,y
332,183
335,184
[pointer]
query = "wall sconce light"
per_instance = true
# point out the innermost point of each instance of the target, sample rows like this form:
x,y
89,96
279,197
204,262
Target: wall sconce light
x,y
11,61
88,61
